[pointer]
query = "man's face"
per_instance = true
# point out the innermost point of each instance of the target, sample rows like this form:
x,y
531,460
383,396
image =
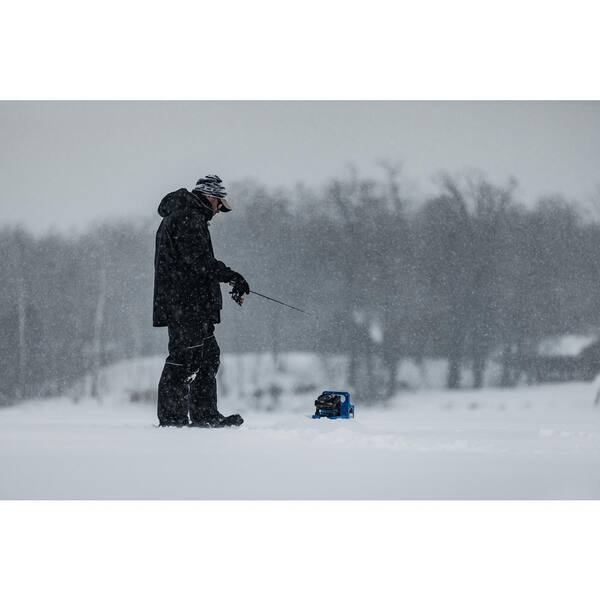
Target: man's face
x,y
215,203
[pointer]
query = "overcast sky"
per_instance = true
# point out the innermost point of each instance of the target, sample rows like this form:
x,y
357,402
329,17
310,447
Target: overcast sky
x,y
64,164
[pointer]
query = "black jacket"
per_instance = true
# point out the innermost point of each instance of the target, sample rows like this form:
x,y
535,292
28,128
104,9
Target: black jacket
x,y
186,273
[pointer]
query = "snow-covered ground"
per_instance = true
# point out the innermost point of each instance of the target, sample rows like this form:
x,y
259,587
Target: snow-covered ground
x,y
531,442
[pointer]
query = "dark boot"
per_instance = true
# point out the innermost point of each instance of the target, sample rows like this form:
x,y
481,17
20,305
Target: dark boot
x,y
217,420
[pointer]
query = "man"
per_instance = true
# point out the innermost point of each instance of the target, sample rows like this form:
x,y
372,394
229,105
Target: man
x,y
187,300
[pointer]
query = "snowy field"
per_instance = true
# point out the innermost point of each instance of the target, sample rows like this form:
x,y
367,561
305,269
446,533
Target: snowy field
x,y
532,442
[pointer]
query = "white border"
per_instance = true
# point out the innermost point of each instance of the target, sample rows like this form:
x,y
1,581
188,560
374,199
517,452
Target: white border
x,y
309,49
299,550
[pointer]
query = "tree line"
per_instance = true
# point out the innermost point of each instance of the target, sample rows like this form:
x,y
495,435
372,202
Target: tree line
x,y
470,273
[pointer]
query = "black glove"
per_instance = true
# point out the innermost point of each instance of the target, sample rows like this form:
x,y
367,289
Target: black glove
x,y
240,287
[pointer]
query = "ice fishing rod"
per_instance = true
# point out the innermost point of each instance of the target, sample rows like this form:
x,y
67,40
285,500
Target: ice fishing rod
x,y
280,302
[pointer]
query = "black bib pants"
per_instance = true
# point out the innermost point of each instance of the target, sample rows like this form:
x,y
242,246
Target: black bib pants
x,y
188,384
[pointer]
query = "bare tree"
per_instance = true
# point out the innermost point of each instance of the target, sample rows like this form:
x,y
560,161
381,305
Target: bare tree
x,y
97,344
461,254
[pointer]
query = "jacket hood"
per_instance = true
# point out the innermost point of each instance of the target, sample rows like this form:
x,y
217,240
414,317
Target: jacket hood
x,y
181,199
